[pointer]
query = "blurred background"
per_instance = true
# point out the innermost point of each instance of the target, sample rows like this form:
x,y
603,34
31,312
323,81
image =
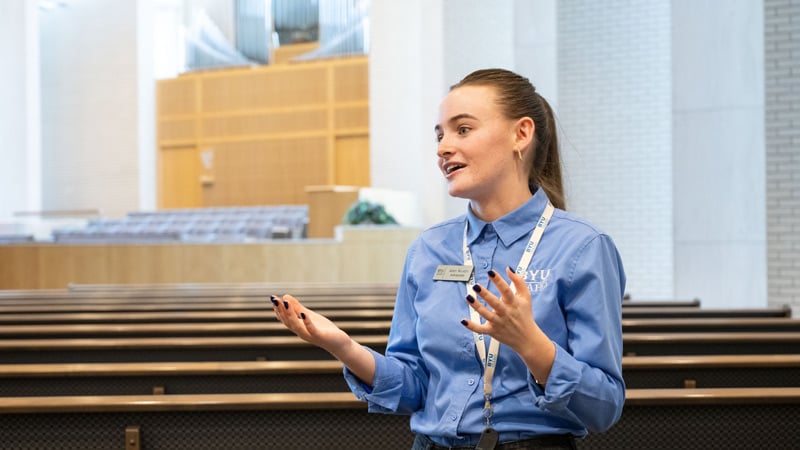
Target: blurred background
x,y
679,122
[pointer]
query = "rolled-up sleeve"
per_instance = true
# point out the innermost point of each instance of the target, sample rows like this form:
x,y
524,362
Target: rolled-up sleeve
x,y
400,375
585,383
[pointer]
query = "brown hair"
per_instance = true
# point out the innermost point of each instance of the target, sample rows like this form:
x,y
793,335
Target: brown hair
x,y
518,98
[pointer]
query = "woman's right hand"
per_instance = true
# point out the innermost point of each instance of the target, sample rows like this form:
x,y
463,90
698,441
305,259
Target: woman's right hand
x,y
318,330
308,325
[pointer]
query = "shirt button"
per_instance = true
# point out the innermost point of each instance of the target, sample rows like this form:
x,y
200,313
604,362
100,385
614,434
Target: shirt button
x,y
453,418
485,264
471,381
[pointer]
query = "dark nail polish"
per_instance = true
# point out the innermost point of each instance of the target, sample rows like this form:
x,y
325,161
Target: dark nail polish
x,y
463,322
303,316
476,288
286,304
491,274
470,298
513,270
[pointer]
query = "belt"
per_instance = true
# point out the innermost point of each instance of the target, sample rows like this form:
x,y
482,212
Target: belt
x,y
550,441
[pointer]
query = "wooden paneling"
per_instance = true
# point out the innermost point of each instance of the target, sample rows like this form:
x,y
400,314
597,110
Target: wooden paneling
x,y
351,117
179,178
263,124
176,96
352,160
266,133
326,208
364,255
273,171
351,83
264,88
177,131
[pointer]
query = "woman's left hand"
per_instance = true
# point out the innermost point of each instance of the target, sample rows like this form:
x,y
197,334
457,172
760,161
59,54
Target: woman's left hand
x,y
509,319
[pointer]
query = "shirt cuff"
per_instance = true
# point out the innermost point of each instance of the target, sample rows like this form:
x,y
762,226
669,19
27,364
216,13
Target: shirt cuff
x,y
380,396
564,378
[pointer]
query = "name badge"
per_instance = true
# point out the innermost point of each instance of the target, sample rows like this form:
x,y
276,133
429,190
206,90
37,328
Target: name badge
x,y
452,273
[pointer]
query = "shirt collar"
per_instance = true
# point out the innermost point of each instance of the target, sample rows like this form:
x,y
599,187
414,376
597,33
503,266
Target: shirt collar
x,y
513,225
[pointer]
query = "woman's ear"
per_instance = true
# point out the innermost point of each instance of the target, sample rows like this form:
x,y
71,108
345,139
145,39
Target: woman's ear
x,y
523,133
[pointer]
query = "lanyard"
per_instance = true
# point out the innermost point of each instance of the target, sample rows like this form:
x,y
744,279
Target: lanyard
x,y
489,359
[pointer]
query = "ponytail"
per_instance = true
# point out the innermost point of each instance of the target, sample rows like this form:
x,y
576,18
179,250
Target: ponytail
x,y
546,168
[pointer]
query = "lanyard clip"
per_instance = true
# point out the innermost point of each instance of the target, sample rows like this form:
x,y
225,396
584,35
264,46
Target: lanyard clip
x,y
487,409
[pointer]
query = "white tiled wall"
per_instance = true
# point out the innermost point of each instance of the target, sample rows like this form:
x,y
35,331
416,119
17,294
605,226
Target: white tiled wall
x,y
614,94
782,80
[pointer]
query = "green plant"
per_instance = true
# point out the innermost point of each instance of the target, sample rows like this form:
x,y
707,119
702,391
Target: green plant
x,y
364,212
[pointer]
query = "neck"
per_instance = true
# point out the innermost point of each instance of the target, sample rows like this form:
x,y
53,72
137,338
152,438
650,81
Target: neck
x,y
492,209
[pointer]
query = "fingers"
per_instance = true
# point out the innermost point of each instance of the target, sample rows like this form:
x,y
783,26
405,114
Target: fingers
x,y
518,280
498,307
288,310
482,311
495,303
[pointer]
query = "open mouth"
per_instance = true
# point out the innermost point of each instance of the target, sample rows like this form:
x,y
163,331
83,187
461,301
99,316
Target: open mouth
x,y
450,168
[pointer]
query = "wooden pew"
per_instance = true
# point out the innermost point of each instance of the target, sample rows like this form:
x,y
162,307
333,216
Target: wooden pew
x,y
652,418
277,348
711,371
169,349
694,303
207,290
364,325
210,421
229,304
681,312
111,330
260,316
233,304
639,372
711,343
709,324
143,378
742,418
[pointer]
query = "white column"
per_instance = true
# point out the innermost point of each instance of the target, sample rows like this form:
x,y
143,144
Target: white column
x,y
20,148
719,152
91,88
146,105
417,50
615,105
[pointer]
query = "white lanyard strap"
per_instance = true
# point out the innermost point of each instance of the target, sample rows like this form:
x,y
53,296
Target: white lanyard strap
x,y
490,360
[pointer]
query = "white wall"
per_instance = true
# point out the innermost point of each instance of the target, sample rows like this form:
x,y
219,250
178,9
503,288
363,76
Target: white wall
x,y
536,46
406,81
614,94
718,152
20,188
418,50
782,85
91,83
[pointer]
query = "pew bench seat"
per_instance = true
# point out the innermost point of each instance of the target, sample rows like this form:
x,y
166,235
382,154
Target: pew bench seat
x,y
639,372
274,348
652,418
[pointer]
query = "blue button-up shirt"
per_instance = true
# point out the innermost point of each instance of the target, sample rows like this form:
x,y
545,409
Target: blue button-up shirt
x,y
431,369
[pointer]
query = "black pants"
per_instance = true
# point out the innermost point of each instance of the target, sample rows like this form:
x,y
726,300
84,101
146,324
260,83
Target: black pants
x,y
557,442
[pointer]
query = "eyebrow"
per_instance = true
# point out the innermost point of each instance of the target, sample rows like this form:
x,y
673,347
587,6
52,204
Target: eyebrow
x,y
455,118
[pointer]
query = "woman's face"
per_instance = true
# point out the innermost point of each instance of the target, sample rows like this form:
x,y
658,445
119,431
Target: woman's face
x,y
476,144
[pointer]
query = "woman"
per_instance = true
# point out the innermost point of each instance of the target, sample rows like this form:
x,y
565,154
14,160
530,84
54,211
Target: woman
x,y
536,358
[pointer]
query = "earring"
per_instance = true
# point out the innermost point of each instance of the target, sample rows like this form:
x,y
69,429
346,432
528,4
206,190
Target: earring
x,y
519,153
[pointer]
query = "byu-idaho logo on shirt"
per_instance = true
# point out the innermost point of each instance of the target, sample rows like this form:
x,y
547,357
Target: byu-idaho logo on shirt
x,y
537,279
